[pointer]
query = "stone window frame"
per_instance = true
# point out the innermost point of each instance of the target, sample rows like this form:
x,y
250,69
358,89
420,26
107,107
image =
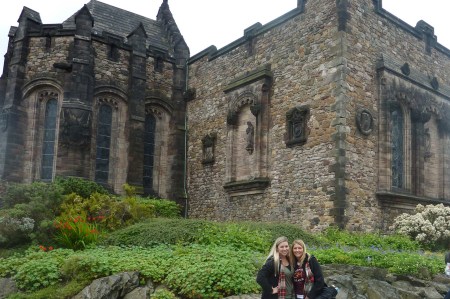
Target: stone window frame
x,y
423,107
97,148
162,111
42,97
118,162
385,181
250,90
417,108
44,140
301,115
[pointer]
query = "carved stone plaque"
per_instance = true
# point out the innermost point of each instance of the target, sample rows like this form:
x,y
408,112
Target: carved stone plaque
x,y
364,121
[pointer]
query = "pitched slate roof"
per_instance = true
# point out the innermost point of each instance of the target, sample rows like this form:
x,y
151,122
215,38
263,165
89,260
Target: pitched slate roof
x,y
108,18
31,14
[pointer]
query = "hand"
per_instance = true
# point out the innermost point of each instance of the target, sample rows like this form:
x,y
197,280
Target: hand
x,y
275,290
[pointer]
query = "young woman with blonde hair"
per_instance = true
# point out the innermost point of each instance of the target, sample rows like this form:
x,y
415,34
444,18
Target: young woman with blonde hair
x,y
308,278
275,276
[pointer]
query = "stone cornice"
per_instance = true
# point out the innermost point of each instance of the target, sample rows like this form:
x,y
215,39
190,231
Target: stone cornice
x,y
213,53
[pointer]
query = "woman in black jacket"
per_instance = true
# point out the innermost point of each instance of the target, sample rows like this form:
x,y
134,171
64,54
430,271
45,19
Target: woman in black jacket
x,y
308,278
275,276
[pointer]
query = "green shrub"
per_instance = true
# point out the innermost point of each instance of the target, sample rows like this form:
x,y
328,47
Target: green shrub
x,y
157,231
417,263
234,235
115,212
164,208
275,230
80,186
27,213
15,231
342,238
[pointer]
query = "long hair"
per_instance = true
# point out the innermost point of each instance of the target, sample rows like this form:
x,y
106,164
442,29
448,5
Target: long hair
x,y
293,258
275,254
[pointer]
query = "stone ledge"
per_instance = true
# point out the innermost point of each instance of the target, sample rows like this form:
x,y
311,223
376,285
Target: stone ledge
x,y
257,185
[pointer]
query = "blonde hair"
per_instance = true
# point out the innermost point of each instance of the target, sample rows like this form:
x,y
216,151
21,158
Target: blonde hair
x,y
275,254
304,255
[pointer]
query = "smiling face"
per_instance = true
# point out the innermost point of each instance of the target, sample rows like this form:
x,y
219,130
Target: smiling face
x,y
283,249
297,250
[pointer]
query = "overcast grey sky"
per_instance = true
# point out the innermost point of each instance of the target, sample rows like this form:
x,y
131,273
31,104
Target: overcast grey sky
x,y
213,22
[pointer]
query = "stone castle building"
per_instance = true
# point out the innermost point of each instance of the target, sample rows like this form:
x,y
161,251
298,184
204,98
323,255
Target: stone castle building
x,y
336,112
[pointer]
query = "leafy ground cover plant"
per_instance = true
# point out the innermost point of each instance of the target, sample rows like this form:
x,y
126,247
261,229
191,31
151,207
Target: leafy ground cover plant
x,y
213,272
163,294
341,238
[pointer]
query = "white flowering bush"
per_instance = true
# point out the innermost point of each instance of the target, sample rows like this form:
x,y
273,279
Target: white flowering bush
x,y
429,225
14,230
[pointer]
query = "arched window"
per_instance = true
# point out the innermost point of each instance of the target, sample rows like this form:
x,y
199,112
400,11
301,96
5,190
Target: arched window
x,y
397,147
48,143
103,144
149,152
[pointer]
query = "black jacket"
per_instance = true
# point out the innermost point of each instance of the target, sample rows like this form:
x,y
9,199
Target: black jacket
x,y
267,280
319,282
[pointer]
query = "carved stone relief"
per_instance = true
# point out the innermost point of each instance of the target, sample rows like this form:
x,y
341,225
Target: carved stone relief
x,y
75,127
364,121
296,122
427,140
250,131
209,148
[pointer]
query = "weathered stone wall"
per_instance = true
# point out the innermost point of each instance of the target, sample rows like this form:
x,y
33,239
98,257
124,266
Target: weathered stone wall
x,y
301,179
41,58
327,57
368,36
108,71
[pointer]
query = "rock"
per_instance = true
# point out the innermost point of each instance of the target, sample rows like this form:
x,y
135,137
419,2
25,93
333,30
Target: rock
x,y
139,293
110,287
7,287
354,283
381,290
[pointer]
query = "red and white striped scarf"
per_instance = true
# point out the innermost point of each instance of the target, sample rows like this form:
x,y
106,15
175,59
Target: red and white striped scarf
x,y
282,285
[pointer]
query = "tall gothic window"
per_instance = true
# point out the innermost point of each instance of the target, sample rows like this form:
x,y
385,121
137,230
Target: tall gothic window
x,y
149,152
397,147
103,144
48,144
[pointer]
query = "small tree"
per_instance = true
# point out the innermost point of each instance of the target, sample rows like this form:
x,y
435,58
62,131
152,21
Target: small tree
x,y
429,225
